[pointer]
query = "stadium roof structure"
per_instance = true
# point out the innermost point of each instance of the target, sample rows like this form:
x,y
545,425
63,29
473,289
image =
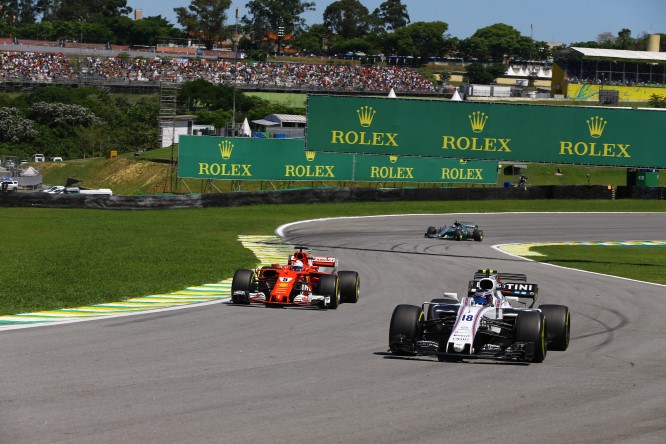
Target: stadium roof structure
x,y
284,120
265,122
612,54
287,118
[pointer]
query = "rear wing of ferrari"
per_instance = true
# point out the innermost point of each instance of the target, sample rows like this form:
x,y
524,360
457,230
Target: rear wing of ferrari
x,y
324,262
316,261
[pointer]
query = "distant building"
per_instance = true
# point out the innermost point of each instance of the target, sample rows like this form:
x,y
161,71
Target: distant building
x,y
582,73
282,125
183,125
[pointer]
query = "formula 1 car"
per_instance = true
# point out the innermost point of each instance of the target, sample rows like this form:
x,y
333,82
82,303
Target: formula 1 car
x,y
458,231
483,324
304,281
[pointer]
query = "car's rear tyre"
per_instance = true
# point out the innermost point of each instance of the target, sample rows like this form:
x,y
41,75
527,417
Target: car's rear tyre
x,y
242,281
531,327
329,286
477,235
404,327
558,326
431,231
349,285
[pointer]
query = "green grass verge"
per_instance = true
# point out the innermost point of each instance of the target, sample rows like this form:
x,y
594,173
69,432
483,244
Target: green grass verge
x,y
292,100
60,258
544,174
159,153
640,263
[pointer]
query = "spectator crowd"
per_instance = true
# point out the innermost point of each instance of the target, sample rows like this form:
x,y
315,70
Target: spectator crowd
x,y
52,67
35,67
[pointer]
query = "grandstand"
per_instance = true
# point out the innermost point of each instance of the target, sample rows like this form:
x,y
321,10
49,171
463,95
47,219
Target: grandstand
x,y
582,73
23,67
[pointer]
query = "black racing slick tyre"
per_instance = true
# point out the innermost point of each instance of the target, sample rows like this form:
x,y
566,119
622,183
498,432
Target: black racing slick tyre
x,y
431,231
558,326
242,281
329,286
404,329
349,285
531,327
477,235
458,235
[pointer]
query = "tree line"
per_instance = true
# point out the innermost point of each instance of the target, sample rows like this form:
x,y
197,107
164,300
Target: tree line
x,y
347,26
86,122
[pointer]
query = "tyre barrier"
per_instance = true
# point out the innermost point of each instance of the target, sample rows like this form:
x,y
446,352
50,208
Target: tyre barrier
x,y
313,195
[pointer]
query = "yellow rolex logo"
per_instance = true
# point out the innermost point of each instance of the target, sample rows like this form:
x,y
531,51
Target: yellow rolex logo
x,y
365,115
310,155
478,120
393,159
596,126
226,147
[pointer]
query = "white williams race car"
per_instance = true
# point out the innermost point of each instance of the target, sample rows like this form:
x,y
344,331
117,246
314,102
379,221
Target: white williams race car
x,y
483,323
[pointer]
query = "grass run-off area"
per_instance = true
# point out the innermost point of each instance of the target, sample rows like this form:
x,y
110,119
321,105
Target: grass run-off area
x,y
64,258
643,263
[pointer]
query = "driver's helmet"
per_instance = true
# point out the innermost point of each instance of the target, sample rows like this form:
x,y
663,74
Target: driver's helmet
x,y
483,297
298,265
456,223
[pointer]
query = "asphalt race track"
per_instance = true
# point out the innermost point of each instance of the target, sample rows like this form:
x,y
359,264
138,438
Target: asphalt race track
x,y
235,374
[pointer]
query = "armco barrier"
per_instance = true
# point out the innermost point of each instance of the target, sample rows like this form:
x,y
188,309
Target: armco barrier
x,y
304,195
44,200
655,193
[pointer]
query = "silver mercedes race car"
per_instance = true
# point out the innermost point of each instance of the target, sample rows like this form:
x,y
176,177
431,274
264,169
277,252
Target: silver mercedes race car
x,y
483,323
458,231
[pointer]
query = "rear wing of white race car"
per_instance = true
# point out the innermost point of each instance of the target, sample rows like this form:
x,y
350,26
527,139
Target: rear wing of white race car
x,y
512,285
519,290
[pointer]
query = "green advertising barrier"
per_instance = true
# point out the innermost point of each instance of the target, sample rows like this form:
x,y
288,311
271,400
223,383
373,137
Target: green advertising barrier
x,y
203,157
502,132
369,168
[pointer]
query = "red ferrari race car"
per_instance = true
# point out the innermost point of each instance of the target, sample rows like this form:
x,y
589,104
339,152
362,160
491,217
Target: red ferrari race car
x,y
304,281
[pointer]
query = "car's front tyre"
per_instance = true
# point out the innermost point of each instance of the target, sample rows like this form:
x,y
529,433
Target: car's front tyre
x,y
242,281
349,285
404,329
531,327
329,286
558,326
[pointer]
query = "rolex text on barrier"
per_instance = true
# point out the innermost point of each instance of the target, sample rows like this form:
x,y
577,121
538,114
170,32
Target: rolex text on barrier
x,y
393,168
501,132
203,157
219,158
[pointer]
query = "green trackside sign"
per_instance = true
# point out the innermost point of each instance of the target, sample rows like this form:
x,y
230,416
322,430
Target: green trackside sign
x,y
372,168
501,132
202,157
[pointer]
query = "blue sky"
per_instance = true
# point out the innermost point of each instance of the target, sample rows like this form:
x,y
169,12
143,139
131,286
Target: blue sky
x,y
564,21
